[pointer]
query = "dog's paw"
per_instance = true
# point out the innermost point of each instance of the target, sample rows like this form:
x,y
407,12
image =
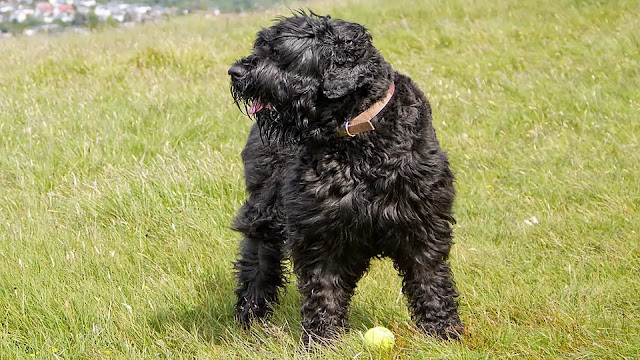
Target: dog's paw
x,y
446,331
246,311
323,334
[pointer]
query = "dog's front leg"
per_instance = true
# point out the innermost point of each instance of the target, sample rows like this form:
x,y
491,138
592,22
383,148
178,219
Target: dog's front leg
x,y
327,283
260,277
430,289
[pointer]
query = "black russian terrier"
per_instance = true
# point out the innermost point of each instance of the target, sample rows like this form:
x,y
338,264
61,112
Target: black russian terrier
x,y
341,166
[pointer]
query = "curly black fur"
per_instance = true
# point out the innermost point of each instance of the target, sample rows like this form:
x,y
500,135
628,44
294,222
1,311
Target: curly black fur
x,y
330,203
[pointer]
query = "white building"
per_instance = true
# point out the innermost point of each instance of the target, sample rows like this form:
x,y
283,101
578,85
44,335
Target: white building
x,y
21,15
102,12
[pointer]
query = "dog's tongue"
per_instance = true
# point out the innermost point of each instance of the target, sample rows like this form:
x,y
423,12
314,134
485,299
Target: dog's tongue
x,y
255,107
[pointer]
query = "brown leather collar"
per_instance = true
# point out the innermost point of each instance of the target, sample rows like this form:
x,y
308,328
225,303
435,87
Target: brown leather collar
x,y
362,122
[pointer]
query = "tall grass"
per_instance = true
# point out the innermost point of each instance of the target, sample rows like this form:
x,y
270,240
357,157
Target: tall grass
x,y
120,173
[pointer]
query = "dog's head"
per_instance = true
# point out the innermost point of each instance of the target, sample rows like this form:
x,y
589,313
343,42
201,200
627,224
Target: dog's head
x,y
302,70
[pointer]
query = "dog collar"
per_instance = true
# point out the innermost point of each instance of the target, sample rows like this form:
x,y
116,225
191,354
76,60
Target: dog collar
x,y
362,122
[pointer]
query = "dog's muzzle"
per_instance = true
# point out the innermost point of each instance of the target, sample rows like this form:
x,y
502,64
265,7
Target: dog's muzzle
x,y
236,72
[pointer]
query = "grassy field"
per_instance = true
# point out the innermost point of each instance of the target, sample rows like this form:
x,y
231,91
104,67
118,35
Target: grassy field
x,y
120,173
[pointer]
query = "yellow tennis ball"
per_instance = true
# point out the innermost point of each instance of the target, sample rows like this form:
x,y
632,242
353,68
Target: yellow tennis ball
x,y
379,338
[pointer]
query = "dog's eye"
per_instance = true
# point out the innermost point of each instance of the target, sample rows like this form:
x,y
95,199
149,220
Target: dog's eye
x,y
262,51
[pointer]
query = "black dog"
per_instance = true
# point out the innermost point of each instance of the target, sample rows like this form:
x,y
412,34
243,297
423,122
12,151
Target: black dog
x,y
342,166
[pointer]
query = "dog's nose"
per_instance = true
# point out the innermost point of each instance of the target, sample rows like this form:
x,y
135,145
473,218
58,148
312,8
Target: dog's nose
x,y
236,71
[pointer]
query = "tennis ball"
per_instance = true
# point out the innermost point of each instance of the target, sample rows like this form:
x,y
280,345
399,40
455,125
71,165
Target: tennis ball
x,y
379,338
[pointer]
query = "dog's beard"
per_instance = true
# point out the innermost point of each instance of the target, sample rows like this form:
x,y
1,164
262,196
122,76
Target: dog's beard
x,y
273,121
274,126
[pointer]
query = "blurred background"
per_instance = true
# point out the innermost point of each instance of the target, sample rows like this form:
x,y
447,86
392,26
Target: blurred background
x,y
120,174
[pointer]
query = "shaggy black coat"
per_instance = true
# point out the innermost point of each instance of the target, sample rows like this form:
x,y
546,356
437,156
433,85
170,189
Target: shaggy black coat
x,y
333,203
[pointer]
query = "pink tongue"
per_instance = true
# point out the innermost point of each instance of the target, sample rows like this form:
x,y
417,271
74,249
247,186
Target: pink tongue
x,y
255,107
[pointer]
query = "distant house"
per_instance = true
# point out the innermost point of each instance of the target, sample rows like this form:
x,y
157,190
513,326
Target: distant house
x,y
138,11
44,11
87,3
118,15
116,5
48,13
63,2
84,10
122,12
21,15
64,12
157,13
6,8
102,12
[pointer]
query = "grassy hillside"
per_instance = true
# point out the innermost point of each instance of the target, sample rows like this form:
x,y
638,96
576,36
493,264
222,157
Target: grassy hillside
x,y
120,172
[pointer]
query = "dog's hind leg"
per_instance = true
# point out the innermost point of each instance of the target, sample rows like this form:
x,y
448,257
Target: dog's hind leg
x,y
430,289
259,269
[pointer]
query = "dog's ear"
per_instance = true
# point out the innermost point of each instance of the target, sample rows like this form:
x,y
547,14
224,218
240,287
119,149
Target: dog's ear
x,y
348,59
341,80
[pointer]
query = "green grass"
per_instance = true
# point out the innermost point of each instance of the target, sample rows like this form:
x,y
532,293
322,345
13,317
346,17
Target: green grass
x,y
120,173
